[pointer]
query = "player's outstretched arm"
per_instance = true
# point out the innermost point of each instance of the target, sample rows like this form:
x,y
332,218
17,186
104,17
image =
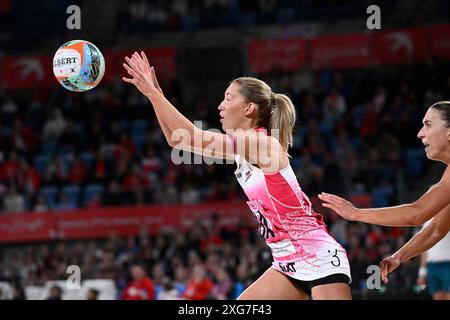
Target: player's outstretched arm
x,y
144,79
413,214
161,121
183,133
420,243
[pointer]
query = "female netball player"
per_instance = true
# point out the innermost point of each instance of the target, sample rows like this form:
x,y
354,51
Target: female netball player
x,y
259,124
435,135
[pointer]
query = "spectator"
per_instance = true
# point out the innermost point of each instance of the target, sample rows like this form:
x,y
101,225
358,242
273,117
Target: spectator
x,y
41,204
18,291
114,195
141,287
55,126
64,203
14,201
334,106
199,286
92,294
168,290
222,288
55,293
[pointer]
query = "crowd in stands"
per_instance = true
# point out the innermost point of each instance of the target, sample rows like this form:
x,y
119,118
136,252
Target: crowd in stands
x,y
355,134
142,16
209,261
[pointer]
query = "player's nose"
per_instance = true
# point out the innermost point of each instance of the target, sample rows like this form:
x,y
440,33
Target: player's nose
x,y
421,134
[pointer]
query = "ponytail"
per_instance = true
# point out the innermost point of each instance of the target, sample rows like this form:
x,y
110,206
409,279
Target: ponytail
x,y
283,119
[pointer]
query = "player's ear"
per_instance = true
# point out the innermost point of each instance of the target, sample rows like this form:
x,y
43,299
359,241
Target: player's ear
x,y
250,108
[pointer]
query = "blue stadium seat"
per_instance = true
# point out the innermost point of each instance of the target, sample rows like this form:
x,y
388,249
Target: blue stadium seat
x,y
40,163
124,125
6,131
190,22
49,146
139,127
414,159
381,195
296,162
88,159
247,19
358,115
81,131
73,193
91,191
65,150
139,141
50,193
285,16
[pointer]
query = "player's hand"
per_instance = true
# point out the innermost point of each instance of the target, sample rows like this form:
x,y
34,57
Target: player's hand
x,y
387,266
143,75
341,206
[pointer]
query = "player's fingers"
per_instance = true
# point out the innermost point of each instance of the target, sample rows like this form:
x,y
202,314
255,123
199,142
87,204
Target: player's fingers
x,y
132,63
384,271
331,206
128,80
324,197
129,61
137,56
153,77
330,200
337,199
156,80
131,71
138,65
136,78
127,67
330,197
138,61
147,64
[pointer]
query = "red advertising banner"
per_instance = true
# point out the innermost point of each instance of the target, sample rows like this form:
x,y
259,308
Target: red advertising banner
x,y
101,222
163,59
27,227
400,46
440,41
284,54
27,71
343,51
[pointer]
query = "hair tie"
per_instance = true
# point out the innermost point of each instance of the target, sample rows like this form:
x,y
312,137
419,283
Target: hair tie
x,y
272,101
272,97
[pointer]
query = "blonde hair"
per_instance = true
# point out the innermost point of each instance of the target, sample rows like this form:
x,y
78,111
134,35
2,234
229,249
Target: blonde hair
x,y
275,110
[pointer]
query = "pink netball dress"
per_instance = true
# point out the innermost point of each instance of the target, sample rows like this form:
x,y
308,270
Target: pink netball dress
x,y
301,246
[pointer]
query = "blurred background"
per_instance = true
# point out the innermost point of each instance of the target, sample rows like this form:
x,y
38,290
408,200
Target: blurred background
x,y
86,178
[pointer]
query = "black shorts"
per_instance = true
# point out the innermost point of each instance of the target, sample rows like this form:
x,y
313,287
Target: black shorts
x,y
307,286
